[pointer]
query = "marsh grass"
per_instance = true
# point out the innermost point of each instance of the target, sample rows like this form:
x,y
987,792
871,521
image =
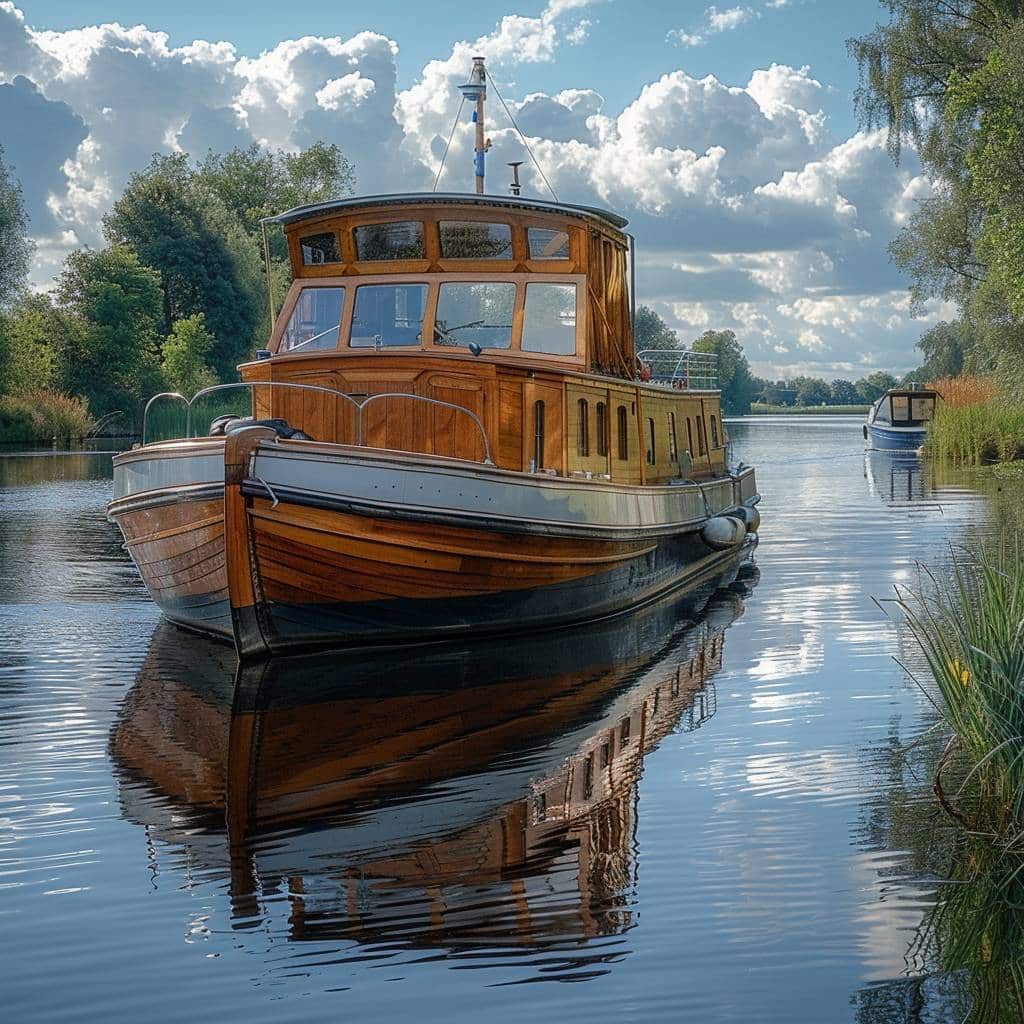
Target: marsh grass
x,y
41,416
971,631
967,389
977,433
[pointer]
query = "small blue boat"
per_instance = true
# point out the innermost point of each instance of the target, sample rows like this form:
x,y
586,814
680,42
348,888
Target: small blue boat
x,y
899,420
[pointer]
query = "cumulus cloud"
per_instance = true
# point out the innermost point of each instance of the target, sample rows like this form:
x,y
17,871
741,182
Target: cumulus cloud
x,y
716,20
748,213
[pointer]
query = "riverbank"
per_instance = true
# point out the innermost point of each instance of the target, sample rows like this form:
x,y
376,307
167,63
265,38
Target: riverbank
x,y
979,434
763,409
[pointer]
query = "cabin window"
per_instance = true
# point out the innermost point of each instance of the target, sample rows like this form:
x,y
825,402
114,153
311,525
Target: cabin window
x,y
900,408
606,754
314,321
475,240
882,414
922,409
397,240
702,446
689,436
624,733
623,433
538,435
583,428
549,323
714,431
588,777
318,249
673,444
388,315
652,456
479,312
548,244
602,428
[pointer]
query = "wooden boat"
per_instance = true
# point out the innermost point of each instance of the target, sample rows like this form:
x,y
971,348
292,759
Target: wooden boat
x,y
455,781
899,420
479,451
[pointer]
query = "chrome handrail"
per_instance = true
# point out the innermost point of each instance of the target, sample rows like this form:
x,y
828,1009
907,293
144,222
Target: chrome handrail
x,y
359,406
488,461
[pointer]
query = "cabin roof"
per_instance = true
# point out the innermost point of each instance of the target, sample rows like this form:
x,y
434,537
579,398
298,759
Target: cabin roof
x,y
301,213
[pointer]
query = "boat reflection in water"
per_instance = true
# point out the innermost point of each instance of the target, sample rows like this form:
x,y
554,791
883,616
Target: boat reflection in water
x,y
897,478
476,797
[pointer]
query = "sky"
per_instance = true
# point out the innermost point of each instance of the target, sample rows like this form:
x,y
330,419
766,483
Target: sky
x,y
726,134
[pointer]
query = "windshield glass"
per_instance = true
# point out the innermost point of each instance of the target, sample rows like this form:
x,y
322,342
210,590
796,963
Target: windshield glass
x,y
475,312
314,321
549,324
388,315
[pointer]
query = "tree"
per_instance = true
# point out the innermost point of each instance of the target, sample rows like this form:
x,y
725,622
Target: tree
x,y
28,332
111,309
950,75
843,393
185,353
734,376
944,347
812,391
256,182
205,261
874,385
15,246
651,331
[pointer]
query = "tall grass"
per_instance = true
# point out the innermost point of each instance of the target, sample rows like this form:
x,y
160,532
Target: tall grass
x,y
967,389
41,416
971,631
974,434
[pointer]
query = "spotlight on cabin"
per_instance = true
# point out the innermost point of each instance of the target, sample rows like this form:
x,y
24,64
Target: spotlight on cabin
x,y
474,348
263,353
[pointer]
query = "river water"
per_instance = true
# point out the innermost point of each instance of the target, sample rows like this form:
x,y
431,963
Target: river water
x,y
695,821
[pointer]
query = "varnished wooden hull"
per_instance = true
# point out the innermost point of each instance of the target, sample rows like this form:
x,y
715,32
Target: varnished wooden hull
x,y
303,546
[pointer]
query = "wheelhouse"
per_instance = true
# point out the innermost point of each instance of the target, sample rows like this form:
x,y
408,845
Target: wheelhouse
x,y
516,310
905,408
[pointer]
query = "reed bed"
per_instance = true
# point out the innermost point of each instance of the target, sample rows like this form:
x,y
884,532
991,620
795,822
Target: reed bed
x,y
971,631
976,434
43,415
967,389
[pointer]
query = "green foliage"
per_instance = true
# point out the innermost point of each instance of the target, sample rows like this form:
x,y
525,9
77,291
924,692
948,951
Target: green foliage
x,y
205,261
843,392
734,376
112,309
27,335
15,247
42,415
951,74
944,348
972,435
874,385
254,183
970,632
651,331
813,391
185,353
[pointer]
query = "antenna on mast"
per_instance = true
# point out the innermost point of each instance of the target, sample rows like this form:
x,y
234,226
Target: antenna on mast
x,y
475,90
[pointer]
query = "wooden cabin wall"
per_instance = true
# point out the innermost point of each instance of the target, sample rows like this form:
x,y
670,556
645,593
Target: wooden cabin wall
x,y
505,400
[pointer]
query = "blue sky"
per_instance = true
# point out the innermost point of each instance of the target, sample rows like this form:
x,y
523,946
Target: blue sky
x,y
726,133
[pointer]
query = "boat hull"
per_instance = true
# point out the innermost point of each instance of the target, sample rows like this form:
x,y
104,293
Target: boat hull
x,y
892,439
299,546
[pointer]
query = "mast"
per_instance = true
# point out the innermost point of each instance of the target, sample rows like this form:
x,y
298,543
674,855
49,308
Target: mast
x,y
475,90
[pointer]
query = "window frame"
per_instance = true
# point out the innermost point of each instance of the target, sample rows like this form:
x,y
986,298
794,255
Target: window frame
x,y
433,281
603,429
583,428
496,261
622,428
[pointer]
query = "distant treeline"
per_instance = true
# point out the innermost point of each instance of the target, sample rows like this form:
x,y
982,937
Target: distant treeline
x,y
175,300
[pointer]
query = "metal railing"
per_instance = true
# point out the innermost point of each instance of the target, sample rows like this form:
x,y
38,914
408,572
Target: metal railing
x,y
693,371
357,406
